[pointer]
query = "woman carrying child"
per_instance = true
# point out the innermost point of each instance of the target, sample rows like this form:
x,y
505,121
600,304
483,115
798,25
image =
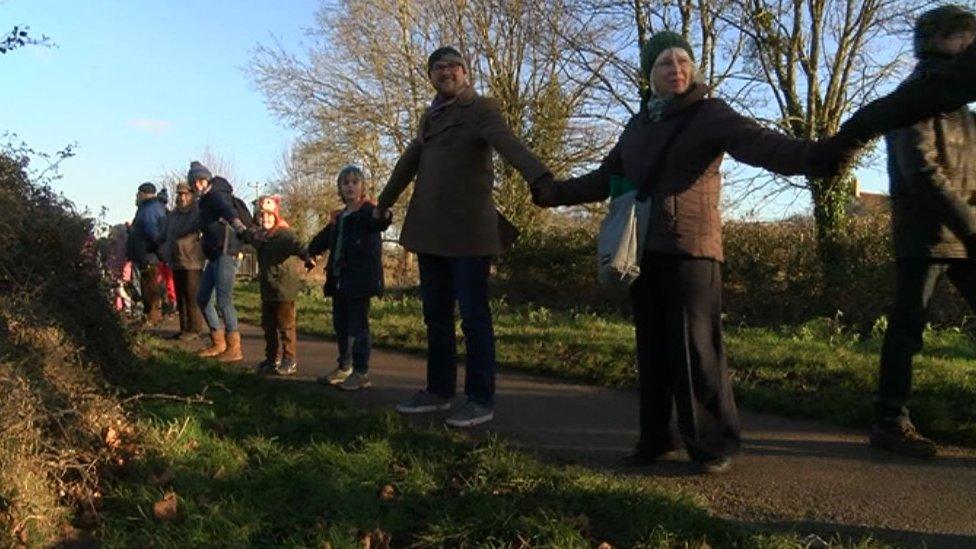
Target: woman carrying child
x,y
353,274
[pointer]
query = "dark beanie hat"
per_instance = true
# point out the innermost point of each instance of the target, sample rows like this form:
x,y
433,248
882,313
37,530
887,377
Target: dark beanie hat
x,y
656,45
445,53
197,171
939,22
147,188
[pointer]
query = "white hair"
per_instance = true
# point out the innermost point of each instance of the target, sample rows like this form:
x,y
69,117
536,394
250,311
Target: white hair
x,y
696,75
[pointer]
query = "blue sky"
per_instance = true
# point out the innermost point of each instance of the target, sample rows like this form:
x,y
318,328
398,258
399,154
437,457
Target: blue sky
x,y
144,86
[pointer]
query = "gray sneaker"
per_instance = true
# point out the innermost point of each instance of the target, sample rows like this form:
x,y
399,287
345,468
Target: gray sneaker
x,y
335,377
470,414
423,402
355,382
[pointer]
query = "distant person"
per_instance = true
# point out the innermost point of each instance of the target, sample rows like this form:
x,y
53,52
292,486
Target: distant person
x,y
142,245
677,299
932,173
353,275
165,270
181,250
936,90
278,251
220,223
452,225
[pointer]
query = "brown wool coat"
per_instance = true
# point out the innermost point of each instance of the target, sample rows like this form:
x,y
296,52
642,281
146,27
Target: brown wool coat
x,y
452,212
685,213
182,249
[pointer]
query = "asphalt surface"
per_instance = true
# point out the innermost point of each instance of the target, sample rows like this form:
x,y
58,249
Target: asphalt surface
x,y
792,474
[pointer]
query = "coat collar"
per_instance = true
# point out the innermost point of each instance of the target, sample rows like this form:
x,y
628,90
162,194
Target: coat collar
x,y
678,104
440,118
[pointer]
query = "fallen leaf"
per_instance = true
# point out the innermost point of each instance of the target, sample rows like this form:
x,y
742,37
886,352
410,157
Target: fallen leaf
x,y
220,473
398,470
377,539
164,477
22,535
165,509
111,437
388,492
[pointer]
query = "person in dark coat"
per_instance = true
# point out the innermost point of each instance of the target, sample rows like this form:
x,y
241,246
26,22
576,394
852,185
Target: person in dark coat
x,y
941,89
676,300
278,251
452,225
221,226
144,237
932,173
353,275
181,250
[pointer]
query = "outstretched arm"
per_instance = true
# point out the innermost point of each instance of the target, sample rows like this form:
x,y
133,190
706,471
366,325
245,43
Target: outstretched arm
x,y
496,132
591,187
403,172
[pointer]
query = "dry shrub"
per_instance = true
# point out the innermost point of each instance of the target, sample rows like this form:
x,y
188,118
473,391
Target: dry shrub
x,y
62,427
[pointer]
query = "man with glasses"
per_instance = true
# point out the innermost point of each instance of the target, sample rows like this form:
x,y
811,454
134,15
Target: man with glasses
x,y
452,225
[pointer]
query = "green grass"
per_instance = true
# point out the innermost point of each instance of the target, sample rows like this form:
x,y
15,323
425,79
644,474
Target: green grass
x,y
816,370
285,464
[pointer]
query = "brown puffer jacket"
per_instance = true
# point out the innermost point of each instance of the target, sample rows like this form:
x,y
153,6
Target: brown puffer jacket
x,y
685,215
932,174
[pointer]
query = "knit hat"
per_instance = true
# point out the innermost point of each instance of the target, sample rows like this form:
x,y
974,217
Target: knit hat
x,y
147,188
939,22
656,45
197,171
272,204
163,195
183,188
445,53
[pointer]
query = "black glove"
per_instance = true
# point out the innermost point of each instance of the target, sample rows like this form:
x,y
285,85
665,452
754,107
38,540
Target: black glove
x,y
543,192
970,243
832,154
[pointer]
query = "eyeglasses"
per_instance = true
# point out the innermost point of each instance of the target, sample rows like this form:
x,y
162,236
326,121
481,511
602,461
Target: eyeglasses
x,y
445,66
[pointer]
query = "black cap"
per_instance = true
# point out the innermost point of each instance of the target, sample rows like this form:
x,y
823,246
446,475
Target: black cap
x,y
147,188
445,53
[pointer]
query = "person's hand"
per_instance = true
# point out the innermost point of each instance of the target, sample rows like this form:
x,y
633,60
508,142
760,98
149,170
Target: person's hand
x,y
832,154
238,226
543,192
381,213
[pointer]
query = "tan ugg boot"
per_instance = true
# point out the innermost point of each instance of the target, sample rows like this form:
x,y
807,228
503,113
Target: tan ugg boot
x,y
233,353
218,344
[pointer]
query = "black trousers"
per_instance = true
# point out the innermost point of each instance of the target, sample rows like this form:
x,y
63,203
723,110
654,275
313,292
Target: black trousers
x,y
187,282
350,320
915,281
677,304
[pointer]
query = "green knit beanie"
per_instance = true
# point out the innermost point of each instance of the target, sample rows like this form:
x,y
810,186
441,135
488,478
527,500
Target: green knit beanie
x,y
656,44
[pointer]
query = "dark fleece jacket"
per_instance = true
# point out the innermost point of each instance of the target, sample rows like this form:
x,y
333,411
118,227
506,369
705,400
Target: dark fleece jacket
x,y
216,215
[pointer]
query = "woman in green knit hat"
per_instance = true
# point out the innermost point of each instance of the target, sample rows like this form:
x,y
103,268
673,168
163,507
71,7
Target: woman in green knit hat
x,y
676,300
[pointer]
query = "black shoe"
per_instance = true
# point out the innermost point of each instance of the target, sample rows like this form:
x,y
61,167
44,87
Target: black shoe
x,y
901,437
287,367
643,458
266,367
716,466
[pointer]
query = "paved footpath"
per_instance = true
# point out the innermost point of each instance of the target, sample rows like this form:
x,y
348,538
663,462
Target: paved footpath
x,y
791,473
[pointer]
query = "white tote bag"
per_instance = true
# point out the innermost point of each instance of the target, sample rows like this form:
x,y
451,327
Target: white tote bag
x,y
620,242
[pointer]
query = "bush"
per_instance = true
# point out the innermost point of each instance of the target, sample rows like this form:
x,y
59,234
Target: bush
x,y
62,426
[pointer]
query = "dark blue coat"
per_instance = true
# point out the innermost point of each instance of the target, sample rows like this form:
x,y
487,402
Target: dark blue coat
x,y
216,214
359,270
146,232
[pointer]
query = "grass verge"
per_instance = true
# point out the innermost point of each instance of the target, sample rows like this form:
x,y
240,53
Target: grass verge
x,y
817,370
284,464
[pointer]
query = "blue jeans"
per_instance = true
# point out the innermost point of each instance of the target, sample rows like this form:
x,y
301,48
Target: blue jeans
x,y
219,274
444,280
350,319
